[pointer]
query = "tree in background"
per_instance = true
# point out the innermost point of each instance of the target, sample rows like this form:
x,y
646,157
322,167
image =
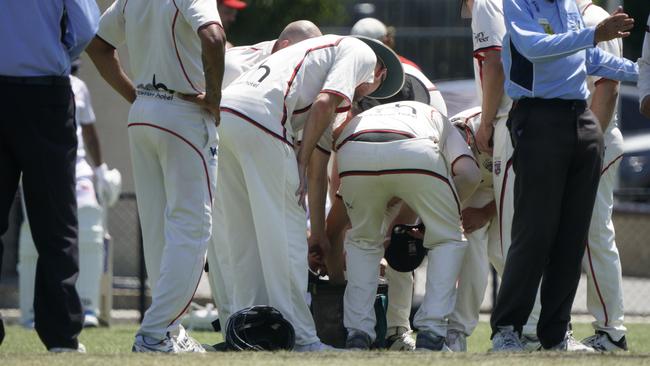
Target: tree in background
x,y
263,20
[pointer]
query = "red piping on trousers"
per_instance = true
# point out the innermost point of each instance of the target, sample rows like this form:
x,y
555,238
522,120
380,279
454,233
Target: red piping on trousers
x,y
189,302
501,199
205,166
591,265
610,164
593,275
403,171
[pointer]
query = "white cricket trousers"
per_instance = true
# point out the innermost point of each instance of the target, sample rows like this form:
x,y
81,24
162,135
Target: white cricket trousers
x,y
483,244
91,254
601,261
415,171
174,155
265,235
504,195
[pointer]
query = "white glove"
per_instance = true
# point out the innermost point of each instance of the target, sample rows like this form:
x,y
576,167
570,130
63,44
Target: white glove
x,y
108,185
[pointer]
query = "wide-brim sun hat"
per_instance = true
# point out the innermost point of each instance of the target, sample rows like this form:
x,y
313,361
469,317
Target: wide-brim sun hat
x,y
394,70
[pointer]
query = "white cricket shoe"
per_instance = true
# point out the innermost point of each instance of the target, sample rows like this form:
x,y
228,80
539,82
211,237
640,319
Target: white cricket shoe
x,y
90,320
80,349
601,341
314,347
456,340
506,340
146,344
570,344
400,340
185,343
530,342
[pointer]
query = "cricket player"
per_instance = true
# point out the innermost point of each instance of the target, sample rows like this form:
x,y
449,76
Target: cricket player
x,y
375,29
481,228
601,262
176,48
297,87
91,183
239,60
644,74
405,150
493,137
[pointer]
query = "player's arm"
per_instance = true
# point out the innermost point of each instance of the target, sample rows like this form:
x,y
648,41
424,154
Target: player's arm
x,y
321,115
317,193
475,218
107,62
213,40
492,84
337,222
465,171
603,101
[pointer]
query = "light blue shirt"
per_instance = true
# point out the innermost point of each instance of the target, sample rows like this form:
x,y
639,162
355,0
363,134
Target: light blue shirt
x,y
31,35
548,52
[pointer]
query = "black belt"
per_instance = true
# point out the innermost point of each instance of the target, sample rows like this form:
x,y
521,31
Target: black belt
x,y
36,80
379,137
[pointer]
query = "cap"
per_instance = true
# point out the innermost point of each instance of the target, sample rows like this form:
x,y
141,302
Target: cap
x,y
394,70
465,13
235,4
369,27
405,253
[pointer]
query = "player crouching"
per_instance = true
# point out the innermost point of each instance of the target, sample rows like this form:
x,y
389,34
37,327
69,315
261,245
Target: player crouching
x,y
404,150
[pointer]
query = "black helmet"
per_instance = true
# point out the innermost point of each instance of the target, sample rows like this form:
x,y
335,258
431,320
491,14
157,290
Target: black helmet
x,y
259,328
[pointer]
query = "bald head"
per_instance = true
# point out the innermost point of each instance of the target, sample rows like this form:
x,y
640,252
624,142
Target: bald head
x,y
295,32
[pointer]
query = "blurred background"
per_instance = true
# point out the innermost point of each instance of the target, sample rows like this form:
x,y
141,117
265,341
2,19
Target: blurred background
x,y
429,32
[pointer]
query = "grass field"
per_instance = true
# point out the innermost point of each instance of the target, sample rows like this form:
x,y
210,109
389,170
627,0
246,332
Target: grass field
x,y
112,347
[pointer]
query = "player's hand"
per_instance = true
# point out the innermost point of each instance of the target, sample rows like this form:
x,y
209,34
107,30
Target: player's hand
x,y
318,249
207,102
301,192
616,25
474,219
484,137
382,267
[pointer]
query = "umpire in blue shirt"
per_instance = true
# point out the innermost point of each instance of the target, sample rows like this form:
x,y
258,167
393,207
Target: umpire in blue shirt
x,y
547,54
40,38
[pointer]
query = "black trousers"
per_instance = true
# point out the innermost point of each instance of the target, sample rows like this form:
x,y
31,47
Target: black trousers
x,y
38,139
557,161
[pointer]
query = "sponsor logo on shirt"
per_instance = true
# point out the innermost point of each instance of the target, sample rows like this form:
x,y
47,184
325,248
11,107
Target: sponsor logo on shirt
x,y
481,37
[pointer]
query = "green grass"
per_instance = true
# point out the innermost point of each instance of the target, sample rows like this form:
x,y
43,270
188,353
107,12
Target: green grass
x,y
112,347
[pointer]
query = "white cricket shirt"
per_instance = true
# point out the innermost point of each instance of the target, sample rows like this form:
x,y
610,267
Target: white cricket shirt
x,y
410,119
161,35
240,59
488,29
277,94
